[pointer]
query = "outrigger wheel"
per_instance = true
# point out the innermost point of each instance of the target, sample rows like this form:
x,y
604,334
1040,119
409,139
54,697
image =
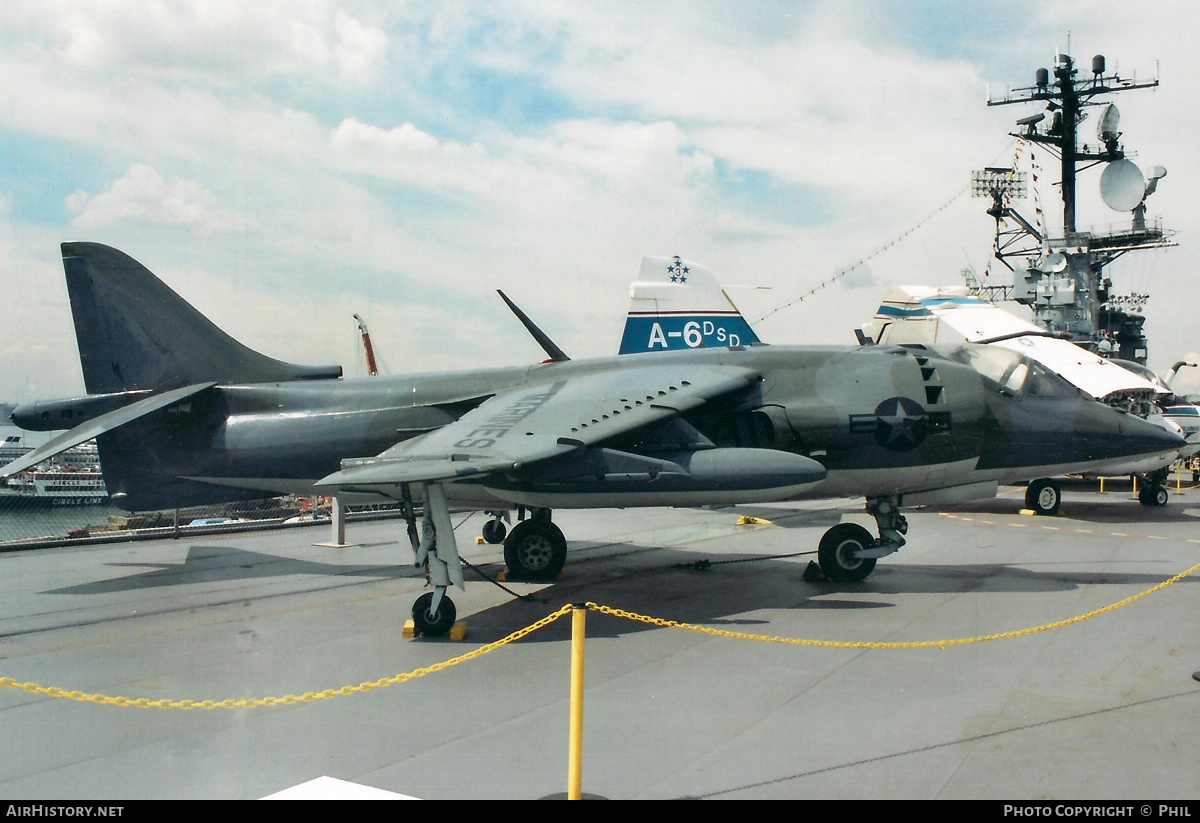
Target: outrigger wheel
x,y
433,625
535,550
1043,496
836,551
494,530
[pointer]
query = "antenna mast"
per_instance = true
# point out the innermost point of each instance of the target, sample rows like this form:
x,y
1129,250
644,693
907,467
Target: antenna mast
x,y
1062,278
372,368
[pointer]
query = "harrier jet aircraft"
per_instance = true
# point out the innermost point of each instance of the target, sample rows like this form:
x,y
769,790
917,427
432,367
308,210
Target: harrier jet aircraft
x,y
687,297
918,314
183,414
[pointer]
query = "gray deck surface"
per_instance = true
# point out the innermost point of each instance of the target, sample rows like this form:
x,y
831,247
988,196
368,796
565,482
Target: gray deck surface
x,y
1106,708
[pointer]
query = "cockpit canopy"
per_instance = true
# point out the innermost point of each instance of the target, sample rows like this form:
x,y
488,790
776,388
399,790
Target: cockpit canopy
x,y
1013,373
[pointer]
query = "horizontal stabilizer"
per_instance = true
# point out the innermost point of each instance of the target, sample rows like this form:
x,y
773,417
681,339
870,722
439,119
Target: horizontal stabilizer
x,y
57,415
98,426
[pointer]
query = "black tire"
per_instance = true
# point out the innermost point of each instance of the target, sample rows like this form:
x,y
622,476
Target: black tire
x,y
1153,496
557,532
494,531
433,625
1043,497
835,553
535,550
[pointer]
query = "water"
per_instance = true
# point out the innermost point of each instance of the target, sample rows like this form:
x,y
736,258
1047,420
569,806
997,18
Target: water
x,y
20,520
23,519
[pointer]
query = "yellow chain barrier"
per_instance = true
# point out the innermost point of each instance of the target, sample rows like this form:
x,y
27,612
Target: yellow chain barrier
x,y
308,697
287,700
913,644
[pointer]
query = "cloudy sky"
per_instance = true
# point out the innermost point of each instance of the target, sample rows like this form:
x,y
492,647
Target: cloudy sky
x,y
284,164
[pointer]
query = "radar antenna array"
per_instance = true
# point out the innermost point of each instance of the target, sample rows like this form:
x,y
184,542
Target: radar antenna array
x,y
1062,279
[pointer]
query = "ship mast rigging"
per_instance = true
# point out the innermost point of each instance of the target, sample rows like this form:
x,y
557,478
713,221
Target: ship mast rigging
x,y
1062,279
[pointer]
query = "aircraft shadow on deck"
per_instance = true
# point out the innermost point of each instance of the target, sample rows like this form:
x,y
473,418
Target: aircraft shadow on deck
x,y
726,596
656,582
216,564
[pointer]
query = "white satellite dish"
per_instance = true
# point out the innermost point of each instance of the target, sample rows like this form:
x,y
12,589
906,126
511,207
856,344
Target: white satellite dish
x,y
1057,262
1122,186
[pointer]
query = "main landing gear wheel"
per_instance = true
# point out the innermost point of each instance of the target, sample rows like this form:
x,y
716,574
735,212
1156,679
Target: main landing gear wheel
x,y
535,550
433,625
494,530
1153,496
836,553
1043,496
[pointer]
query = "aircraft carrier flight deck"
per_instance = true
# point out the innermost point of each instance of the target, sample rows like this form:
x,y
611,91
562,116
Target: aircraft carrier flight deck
x,y
1101,708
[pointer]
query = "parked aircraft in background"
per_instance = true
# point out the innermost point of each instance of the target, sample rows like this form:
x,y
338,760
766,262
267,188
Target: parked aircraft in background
x,y
675,304
183,415
1176,408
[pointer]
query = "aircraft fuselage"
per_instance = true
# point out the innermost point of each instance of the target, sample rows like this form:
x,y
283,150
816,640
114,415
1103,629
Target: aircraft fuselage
x,y
882,421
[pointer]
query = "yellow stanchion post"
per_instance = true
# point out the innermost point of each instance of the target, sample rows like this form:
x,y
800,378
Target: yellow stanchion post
x,y
1134,478
1102,485
575,757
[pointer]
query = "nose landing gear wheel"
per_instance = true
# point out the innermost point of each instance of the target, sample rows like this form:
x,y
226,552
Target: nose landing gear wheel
x,y
433,625
836,553
1043,496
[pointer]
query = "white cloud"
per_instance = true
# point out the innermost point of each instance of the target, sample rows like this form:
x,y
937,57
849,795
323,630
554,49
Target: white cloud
x,y
597,168
360,51
355,138
211,41
815,107
275,117
144,196
629,151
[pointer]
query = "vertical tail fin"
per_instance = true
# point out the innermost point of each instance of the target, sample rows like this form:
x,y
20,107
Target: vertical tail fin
x,y
136,333
675,304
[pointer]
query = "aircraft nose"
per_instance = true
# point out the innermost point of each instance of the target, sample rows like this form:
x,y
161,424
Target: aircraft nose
x,y
1103,433
1145,436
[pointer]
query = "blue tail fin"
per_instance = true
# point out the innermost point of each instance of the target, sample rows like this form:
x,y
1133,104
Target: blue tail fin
x,y
675,304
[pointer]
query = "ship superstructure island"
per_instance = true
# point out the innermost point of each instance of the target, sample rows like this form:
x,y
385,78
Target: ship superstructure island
x,y
1062,278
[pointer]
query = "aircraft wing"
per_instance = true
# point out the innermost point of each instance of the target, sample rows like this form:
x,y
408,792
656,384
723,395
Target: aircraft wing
x,y
536,422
